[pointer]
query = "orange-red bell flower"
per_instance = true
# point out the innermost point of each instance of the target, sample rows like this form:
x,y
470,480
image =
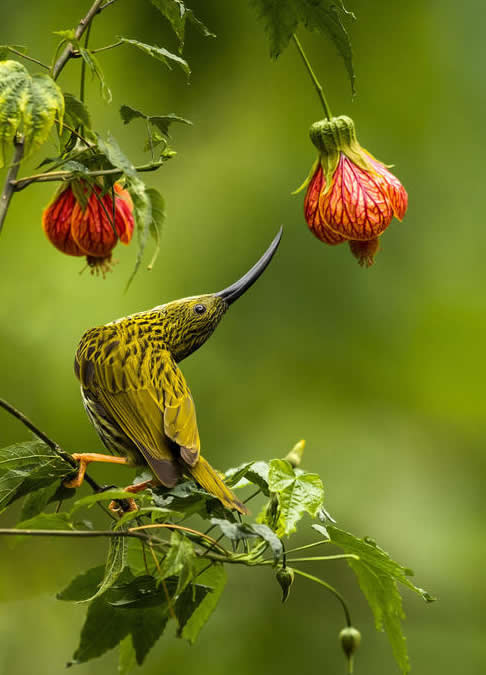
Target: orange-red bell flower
x,y
81,220
351,196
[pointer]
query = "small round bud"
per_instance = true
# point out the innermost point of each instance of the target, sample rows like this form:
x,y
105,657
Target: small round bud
x,y
285,577
350,639
294,457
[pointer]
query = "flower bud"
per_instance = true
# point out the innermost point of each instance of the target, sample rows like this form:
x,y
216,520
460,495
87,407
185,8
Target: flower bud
x,y
285,577
294,457
350,639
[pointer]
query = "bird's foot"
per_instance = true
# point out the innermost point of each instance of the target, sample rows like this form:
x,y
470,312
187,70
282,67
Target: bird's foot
x,y
85,458
121,506
77,481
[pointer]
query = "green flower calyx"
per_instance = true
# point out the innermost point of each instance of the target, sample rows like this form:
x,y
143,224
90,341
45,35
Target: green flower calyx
x,y
333,137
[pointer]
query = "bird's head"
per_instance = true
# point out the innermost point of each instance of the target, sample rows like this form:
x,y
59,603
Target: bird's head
x,y
189,322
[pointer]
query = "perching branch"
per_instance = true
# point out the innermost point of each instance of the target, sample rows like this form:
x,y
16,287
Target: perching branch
x,y
9,188
48,441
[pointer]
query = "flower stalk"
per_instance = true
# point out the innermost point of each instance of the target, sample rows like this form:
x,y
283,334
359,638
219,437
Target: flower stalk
x,y
313,77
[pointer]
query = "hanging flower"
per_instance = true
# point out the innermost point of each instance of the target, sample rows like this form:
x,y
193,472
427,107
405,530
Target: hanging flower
x,y
81,221
351,196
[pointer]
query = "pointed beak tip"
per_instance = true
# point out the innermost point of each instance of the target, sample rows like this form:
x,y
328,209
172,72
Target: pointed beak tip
x,y
237,289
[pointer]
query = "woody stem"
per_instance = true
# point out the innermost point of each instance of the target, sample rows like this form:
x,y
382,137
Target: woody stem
x,y
312,75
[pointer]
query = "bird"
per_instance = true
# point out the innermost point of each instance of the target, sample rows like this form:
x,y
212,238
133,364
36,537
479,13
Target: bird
x,y
136,396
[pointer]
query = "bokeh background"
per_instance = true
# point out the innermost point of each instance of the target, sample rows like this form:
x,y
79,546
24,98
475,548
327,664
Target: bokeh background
x,y
381,370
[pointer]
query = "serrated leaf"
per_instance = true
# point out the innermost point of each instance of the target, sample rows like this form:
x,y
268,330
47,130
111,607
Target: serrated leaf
x,y
76,114
83,586
179,561
162,122
26,467
47,521
159,53
297,493
378,575
36,501
187,603
29,105
255,473
178,14
283,17
241,531
321,529
106,626
96,70
214,577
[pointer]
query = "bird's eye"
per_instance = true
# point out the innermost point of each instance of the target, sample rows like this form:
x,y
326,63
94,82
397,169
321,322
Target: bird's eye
x,y
199,309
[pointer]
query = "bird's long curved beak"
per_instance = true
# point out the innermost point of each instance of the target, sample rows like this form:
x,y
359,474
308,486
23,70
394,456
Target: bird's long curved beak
x,y
237,289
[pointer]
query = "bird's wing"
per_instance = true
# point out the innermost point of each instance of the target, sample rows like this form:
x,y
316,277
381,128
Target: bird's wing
x,y
142,388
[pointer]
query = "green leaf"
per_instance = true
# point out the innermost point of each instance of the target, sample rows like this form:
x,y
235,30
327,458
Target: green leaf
x,y
106,495
127,659
282,18
26,467
159,53
255,473
297,493
187,603
29,105
322,530
96,70
214,577
162,122
115,564
106,626
47,521
179,560
178,14
377,576
76,113
242,531
35,502
83,586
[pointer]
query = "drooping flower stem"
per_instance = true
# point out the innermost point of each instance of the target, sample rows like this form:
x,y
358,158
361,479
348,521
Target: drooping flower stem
x,y
312,75
329,588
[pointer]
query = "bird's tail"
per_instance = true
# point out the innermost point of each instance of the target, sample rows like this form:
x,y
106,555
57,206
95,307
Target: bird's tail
x,y
206,476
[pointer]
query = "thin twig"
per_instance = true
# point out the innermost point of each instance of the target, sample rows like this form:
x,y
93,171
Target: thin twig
x,y
318,558
28,58
76,54
82,26
172,526
51,176
9,186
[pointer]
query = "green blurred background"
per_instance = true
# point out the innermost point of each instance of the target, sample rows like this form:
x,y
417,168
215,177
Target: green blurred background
x,y
381,370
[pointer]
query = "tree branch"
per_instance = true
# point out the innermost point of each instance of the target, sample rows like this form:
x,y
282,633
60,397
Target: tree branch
x,y
48,441
51,176
96,7
9,188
